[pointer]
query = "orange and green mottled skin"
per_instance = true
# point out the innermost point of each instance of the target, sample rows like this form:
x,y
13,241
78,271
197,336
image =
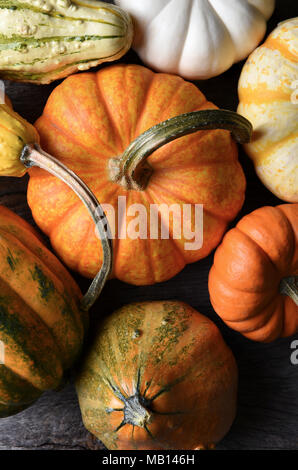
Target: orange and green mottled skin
x,y
174,362
41,325
91,118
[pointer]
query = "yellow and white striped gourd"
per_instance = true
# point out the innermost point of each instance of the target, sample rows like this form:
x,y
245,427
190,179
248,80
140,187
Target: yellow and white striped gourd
x,y
269,99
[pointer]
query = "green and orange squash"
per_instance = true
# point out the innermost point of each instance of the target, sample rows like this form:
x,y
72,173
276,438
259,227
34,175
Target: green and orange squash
x,y
158,375
41,325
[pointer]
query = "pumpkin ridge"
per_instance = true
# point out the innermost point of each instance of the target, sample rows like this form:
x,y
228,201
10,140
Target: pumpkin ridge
x,y
176,246
68,98
260,249
149,252
50,331
290,226
186,201
257,310
27,381
13,387
144,107
84,242
12,131
113,126
29,355
120,241
165,112
40,246
69,136
160,218
69,210
55,280
113,122
151,338
65,217
275,321
259,314
34,314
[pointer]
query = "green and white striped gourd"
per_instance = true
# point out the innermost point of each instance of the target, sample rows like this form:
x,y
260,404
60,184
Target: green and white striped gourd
x,y
44,40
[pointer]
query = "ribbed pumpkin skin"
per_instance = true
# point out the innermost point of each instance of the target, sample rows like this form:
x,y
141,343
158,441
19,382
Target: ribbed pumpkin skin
x,y
268,100
178,362
91,118
41,325
248,267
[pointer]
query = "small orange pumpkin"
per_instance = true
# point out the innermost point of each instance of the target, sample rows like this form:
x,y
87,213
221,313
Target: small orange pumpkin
x,y
253,281
89,123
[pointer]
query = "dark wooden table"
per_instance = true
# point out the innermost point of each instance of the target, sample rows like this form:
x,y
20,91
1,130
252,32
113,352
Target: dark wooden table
x,y
268,386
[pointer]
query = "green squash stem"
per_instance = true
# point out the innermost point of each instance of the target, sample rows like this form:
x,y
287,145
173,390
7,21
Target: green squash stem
x,y
132,170
33,155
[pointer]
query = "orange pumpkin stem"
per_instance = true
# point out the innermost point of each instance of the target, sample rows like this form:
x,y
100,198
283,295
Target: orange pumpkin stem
x,y
132,171
289,286
33,155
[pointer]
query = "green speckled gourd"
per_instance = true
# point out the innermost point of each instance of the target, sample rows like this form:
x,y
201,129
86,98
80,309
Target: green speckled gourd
x,y
41,323
158,375
44,40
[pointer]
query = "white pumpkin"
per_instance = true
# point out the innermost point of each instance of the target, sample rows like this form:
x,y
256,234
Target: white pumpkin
x,y
197,39
268,94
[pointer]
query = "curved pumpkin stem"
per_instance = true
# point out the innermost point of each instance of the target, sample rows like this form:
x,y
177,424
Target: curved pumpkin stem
x,y
33,155
289,286
131,169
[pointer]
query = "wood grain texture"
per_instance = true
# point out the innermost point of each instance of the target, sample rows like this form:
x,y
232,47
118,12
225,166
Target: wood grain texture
x,y
268,407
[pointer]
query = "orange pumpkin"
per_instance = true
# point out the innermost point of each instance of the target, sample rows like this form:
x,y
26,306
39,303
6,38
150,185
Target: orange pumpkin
x,y
158,376
253,281
88,122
